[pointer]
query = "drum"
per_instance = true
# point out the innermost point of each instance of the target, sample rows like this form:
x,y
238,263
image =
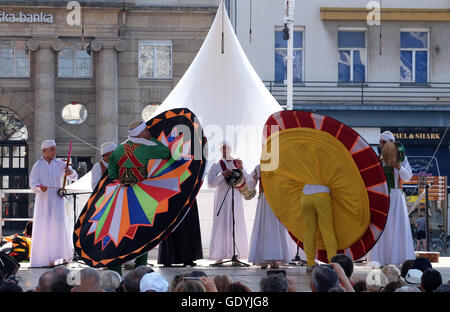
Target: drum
x,y
393,152
237,180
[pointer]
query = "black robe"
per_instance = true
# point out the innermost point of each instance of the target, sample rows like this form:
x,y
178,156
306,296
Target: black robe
x,y
185,244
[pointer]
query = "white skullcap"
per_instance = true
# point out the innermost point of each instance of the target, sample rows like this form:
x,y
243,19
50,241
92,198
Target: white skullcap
x,y
136,131
387,136
154,282
107,147
47,144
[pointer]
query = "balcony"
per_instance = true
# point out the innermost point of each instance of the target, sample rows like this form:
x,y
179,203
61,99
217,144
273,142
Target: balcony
x,y
433,96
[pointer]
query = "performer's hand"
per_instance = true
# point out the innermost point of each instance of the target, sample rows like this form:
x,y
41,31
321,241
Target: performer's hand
x,y
226,174
43,188
67,172
239,164
396,165
209,284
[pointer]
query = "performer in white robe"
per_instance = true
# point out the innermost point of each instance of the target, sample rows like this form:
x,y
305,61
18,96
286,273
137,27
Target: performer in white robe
x,y
51,241
396,243
270,242
100,167
221,245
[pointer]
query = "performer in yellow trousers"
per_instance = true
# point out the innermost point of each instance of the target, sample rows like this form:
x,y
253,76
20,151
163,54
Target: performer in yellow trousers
x,y
318,211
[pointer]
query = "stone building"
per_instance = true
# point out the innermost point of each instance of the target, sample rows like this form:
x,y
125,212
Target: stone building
x,y
83,73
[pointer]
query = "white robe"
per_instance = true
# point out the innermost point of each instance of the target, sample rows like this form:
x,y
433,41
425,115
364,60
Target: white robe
x,y
396,243
221,245
51,240
270,240
97,173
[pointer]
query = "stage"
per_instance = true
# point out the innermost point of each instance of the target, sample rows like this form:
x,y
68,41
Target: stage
x,y
249,276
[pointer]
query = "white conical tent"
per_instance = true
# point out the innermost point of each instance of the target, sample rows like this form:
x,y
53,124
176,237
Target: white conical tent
x,y
225,93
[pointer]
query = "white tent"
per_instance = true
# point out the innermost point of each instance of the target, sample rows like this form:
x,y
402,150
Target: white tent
x,y
223,90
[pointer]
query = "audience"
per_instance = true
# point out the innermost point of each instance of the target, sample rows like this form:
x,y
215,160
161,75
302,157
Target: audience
x,y
176,280
406,266
407,289
376,280
88,280
131,281
431,280
323,279
110,280
392,273
392,286
414,278
443,288
360,286
274,283
222,282
190,286
238,287
153,282
345,262
45,282
422,264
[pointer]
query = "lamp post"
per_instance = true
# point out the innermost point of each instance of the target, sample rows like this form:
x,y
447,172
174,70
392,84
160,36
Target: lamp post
x,y
289,23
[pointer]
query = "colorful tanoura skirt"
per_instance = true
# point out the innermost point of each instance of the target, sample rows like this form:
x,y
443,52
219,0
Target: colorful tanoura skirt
x,y
121,222
305,148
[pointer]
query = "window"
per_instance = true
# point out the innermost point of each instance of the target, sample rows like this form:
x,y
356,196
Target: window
x,y
74,113
414,56
352,56
155,59
14,59
281,56
74,62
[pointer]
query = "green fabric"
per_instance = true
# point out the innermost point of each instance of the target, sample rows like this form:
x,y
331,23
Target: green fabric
x,y
390,177
143,153
150,203
139,261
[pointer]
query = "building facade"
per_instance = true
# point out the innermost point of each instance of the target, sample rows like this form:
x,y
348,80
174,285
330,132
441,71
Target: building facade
x,y
81,74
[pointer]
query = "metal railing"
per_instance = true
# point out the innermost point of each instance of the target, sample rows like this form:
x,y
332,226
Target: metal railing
x,y
365,93
14,191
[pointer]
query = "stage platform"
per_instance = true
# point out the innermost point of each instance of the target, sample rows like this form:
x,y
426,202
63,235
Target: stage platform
x,y
250,276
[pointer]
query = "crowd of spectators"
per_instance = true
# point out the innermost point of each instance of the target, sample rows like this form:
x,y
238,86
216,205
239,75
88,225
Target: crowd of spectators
x,y
412,276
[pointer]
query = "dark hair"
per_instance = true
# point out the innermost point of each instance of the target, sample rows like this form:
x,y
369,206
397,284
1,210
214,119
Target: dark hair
x,y
392,286
337,289
238,287
274,283
197,273
406,266
443,288
60,284
422,264
431,280
360,286
132,280
345,262
324,278
7,287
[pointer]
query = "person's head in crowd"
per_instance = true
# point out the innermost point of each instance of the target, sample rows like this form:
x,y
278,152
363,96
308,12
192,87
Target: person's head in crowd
x,y
392,286
45,282
153,282
176,280
376,280
197,273
89,281
8,287
190,286
60,283
274,283
406,266
222,282
360,286
110,280
392,272
323,279
414,278
345,262
407,289
131,281
431,280
237,287
443,288
422,264
337,289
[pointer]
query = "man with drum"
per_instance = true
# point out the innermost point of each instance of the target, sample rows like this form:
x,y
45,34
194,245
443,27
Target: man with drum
x,y
221,245
395,244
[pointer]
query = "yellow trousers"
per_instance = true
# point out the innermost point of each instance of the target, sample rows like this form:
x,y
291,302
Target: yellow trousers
x,y
317,209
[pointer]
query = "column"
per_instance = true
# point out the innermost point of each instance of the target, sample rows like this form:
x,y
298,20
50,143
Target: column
x,y
44,90
107,89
